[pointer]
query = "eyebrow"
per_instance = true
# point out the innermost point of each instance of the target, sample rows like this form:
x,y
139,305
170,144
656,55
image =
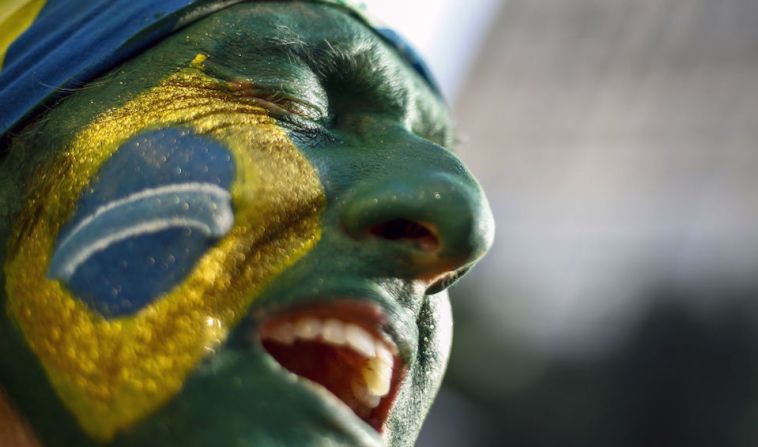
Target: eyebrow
x,y
390,76
366,68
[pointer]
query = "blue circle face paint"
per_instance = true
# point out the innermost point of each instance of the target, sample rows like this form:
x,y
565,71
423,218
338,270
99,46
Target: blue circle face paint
x,y
157,205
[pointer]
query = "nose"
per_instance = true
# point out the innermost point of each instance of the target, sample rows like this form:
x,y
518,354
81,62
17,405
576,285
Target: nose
x,y
423,221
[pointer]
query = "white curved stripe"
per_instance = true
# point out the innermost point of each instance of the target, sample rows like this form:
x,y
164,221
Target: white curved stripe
x,y
148,227
210,188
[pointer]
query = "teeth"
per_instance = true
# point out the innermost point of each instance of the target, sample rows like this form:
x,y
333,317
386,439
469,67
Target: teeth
x,y
372,400
360,340
384,354
308,328
376,375
284,333
334,332
365,396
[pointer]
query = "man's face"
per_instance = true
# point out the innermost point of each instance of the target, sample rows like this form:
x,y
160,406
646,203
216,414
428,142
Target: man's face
x,y
237,238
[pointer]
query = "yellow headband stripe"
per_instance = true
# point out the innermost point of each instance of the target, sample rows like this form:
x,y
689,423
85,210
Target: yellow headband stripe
x,y
15,17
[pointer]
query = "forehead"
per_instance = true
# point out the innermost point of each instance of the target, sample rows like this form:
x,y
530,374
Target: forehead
x,y
311,21
289,27
322,47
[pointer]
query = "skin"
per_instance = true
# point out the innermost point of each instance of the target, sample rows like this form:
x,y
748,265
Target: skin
x,y
376,135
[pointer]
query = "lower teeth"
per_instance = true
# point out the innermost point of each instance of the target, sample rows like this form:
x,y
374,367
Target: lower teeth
x,y
377,374
363,395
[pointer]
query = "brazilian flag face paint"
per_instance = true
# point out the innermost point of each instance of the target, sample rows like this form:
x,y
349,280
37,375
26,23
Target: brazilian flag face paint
x,y
238,237
157,205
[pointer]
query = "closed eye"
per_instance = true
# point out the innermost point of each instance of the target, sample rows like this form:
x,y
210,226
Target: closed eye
x,y
290,111
276,102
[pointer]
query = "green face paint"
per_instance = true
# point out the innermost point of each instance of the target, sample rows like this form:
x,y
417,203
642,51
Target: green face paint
x,y
306,320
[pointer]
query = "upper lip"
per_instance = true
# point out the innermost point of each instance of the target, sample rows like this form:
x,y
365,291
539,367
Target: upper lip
x,y
289,336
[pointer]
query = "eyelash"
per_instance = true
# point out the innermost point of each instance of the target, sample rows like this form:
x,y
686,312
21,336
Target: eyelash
x,y
287,111
313,132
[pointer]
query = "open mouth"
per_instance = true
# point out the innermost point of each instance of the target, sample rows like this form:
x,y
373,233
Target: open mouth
x,y
340,346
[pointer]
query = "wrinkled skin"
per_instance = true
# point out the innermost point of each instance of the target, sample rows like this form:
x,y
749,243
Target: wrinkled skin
x,y
377,136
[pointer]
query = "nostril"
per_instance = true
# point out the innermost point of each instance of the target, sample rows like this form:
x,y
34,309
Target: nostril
x,y
404,230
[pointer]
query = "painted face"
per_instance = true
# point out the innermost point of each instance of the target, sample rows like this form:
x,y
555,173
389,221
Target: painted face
x,y
240,237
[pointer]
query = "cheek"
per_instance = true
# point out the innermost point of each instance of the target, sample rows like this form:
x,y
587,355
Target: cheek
x,y
157,205
435,337
119,316
438,330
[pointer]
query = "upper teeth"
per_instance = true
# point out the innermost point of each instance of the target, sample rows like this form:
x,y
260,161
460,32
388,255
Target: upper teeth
x,y
377,372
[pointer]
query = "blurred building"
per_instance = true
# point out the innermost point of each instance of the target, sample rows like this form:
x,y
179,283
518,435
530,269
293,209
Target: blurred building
x,y
617,143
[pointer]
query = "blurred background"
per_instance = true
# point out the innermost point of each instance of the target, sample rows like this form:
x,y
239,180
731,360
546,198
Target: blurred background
x,y
616,141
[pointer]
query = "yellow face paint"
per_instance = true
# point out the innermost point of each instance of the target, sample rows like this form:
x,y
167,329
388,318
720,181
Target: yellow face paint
x,y
15,17
111,373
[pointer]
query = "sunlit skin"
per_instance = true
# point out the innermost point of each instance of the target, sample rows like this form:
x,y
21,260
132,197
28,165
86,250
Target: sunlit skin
x,y
399,219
